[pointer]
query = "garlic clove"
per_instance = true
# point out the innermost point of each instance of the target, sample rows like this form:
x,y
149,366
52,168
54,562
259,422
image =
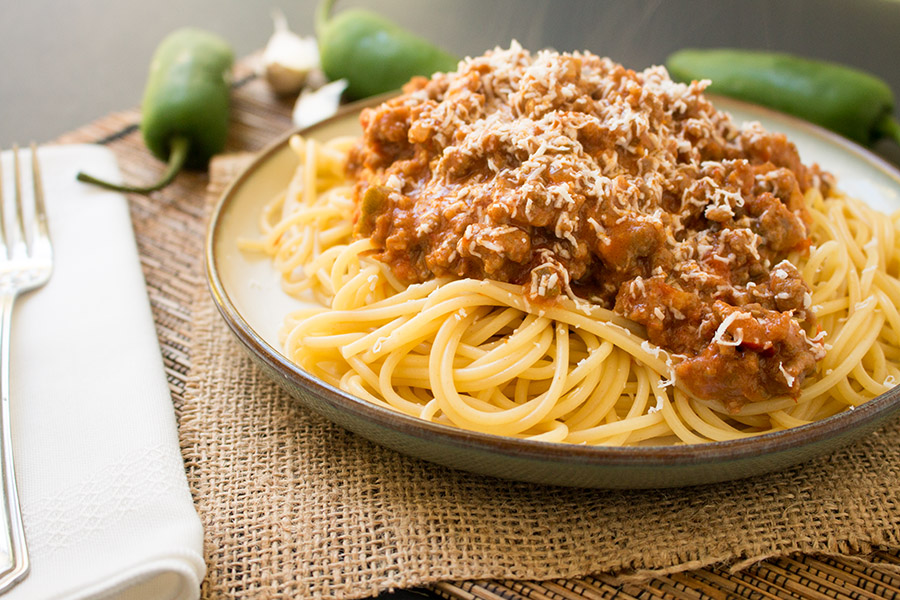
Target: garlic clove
x,y
288,58
315,105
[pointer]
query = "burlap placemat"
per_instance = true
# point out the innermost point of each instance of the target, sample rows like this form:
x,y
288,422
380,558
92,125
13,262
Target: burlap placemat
x,y
294,506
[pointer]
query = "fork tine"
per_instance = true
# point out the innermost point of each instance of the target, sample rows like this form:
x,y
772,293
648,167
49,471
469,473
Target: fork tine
x,y
40,209
19,241
2,215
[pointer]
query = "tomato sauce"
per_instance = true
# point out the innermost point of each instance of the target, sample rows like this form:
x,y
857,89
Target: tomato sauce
x,y
570,174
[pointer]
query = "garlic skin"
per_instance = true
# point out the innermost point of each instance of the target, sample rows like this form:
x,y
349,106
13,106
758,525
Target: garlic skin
x,y
317,105
288,58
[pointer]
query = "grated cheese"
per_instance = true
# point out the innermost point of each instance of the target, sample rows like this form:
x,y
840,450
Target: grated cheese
x,y
718,337
787,376
555,170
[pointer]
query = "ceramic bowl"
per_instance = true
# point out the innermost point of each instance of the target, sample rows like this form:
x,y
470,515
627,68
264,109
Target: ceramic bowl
x,y
248,295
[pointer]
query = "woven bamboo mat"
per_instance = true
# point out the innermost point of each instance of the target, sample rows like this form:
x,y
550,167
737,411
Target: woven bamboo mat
x,y
170,227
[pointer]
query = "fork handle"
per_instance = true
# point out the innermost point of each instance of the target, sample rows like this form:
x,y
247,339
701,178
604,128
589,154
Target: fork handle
x,y
11,508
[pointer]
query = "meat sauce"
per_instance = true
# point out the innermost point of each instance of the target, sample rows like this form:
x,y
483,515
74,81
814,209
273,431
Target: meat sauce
x,y
570,174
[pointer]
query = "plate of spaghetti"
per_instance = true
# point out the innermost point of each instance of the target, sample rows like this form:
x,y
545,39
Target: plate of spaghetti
x,y
551,268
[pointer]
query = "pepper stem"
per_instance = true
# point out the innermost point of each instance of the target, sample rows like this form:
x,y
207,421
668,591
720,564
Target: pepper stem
x,y
322,12
889,127
178,151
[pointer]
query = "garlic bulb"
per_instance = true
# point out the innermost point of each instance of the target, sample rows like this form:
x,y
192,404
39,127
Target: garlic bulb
x,y
288,58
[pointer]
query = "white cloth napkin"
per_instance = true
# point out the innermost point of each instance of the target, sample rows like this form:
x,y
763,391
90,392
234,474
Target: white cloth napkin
x,y
105,500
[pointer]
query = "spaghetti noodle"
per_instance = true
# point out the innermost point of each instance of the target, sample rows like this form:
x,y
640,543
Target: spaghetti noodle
x,y
488,355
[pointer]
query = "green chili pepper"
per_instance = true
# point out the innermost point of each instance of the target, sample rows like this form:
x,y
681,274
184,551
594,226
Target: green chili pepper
x,y
373,54
847,101
185,106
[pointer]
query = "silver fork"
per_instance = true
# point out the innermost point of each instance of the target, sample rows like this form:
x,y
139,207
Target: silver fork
x,y
26,261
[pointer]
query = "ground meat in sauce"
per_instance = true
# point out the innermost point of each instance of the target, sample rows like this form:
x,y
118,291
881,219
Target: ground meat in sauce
x,y
570,174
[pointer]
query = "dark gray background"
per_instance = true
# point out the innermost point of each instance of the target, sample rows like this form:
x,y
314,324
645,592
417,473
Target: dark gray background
x,y
63,64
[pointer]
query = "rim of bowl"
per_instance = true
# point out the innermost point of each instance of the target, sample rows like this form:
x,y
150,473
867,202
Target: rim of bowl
x,y
874,410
